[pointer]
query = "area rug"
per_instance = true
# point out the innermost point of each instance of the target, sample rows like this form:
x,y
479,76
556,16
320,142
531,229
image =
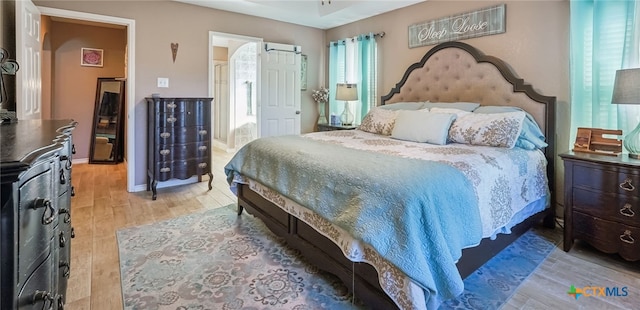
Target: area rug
x,y
217,260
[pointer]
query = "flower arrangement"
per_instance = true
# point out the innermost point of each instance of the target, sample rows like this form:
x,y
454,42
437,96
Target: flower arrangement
x,y
320,95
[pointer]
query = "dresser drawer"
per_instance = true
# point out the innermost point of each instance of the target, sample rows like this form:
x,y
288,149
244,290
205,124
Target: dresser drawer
x,y
171,152
608,236
37,218
609,206
41,280
618,180
169,105
182,169
175,135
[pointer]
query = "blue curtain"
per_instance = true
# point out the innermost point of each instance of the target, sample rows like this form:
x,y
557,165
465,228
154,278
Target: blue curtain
x,y
603,39
354,60
367,48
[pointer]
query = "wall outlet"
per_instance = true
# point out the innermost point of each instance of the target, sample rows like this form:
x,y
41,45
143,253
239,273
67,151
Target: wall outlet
x,y
163,82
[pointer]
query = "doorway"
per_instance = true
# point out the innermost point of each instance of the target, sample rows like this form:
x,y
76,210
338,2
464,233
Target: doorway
x,y
129,152
235,90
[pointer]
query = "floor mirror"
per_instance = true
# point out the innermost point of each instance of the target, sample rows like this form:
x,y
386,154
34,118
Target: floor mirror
x,y
108,122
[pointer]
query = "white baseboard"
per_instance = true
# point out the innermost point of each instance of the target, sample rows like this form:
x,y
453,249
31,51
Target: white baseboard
x,y
143,187
79,161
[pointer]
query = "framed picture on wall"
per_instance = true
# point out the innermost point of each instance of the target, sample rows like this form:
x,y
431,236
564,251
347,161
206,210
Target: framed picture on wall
x,y
303,72
91,57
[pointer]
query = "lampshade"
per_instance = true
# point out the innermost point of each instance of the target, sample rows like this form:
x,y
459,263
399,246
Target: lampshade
x,y
346,92
626,88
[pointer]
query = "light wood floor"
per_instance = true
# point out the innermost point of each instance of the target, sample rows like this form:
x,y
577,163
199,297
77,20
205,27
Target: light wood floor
x,y
102,206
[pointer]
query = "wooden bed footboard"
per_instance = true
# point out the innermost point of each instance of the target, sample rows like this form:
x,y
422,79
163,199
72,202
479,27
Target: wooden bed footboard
x,y
361,278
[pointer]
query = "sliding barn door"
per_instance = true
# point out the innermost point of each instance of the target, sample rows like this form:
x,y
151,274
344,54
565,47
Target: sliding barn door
x,y
280,90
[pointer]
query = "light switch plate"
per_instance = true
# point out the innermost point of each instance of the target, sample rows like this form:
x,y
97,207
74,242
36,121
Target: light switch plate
x,y
163,82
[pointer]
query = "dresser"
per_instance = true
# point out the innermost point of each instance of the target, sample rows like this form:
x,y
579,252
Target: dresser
x,y
35,214
602,203
179,136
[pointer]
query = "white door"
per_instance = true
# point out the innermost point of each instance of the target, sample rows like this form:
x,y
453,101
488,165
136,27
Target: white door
x,y
279,109
28,77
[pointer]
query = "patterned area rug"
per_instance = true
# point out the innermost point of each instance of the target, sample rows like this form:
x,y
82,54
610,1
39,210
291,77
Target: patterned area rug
x,y
216,260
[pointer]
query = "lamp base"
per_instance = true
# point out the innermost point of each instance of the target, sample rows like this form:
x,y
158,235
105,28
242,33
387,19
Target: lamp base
x,y
631,142
346,117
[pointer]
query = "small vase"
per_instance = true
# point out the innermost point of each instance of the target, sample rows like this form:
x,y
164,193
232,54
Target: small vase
x,y
346,117
322,118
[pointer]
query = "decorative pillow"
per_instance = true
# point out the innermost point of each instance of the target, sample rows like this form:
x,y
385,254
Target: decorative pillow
x,y
465,106
403,106
419,126
531,136
499,130
379,121
457,112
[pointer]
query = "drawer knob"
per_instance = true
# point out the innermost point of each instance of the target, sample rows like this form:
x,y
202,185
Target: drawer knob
x,y
627,185
67,214
202,132
171,105
165,135
66,270
202,148
626,237
627,211
165,152
171,119
202,165
165,169
49,212
44,296
63,240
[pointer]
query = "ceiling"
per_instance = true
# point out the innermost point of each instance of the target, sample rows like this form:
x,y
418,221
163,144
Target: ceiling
x,y
311,13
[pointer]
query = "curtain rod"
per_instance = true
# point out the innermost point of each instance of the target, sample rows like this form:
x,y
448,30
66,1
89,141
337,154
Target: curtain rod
x,y
379,34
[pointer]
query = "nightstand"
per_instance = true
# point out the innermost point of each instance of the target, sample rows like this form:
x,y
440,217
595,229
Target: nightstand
x,y
602,203
328,127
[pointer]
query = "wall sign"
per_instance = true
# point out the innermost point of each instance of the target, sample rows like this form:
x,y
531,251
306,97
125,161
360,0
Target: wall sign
x,y
483,22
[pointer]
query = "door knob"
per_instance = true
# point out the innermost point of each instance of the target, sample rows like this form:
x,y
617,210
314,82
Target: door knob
x,y
297,112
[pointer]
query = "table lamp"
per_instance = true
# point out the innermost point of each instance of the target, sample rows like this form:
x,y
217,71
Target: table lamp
x,y
346,92
626,90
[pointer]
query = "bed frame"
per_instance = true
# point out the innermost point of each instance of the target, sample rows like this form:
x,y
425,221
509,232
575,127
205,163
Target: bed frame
x,y
449,72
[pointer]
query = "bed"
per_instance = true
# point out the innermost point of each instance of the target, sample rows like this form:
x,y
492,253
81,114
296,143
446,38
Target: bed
x,y
339,240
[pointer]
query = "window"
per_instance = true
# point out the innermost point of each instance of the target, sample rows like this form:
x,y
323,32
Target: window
x,y
354,60
604,38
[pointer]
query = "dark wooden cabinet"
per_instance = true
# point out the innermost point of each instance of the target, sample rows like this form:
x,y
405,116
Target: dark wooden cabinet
x,y
602,203
179,140
35,214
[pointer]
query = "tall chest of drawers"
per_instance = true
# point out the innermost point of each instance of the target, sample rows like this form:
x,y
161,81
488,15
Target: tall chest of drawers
x,y
35,213
179,137
602,203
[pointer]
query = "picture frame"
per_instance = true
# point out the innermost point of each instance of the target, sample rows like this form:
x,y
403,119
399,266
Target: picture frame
x,y
303,72
91,57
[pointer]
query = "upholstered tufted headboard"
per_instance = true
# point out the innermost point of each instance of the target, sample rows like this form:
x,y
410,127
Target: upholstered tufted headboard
x,y
458,72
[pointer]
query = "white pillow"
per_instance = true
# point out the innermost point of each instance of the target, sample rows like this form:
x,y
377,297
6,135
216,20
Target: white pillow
x,y
467,106
379,121
422,126
499,130
457,112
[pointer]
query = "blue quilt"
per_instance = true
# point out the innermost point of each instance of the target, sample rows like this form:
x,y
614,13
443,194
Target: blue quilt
x,y
417,214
